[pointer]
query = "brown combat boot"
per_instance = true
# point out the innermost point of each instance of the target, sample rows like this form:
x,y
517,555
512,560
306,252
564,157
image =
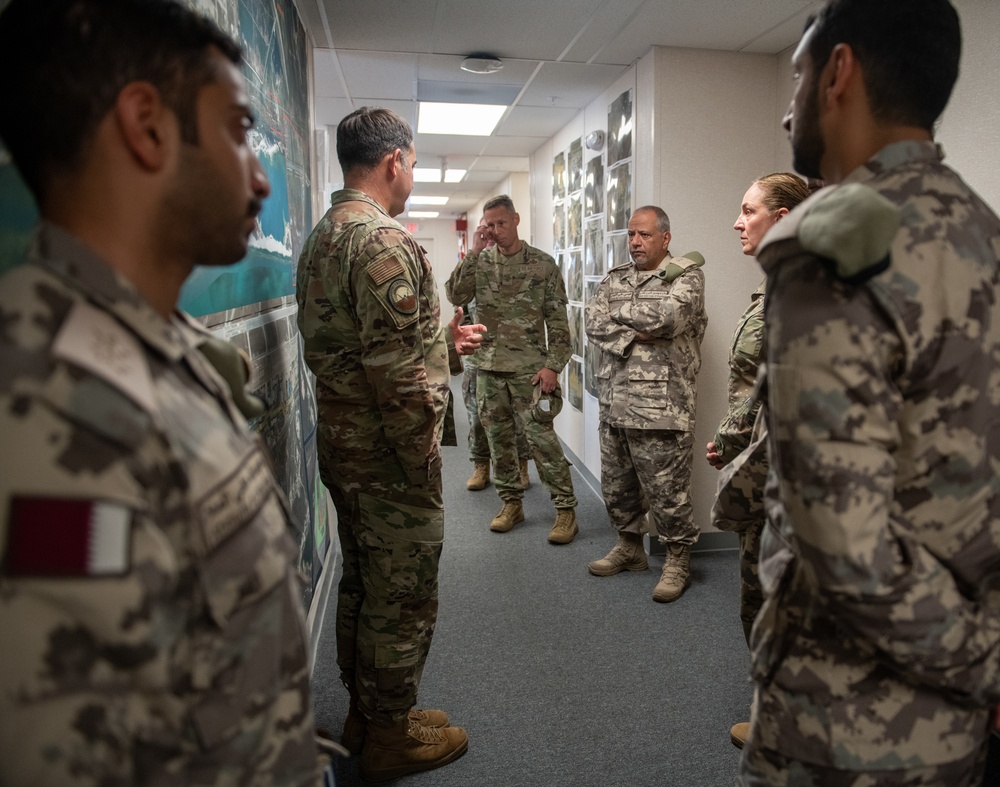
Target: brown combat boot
x,y
408,747
626,555
525,480
676,574
511,513
355,725
480,477
565,528
738,734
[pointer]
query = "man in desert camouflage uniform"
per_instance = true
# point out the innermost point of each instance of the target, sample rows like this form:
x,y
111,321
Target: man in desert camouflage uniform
x,y
149,601
521,299
648,319
371,323
877,651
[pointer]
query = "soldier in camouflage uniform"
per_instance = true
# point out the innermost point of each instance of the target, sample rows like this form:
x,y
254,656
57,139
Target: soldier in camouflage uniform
x,y
521,299
149,600
877,652
371,326
740,507
648,319
479,446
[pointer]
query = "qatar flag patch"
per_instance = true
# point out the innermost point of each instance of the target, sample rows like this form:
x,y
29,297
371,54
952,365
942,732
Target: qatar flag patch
x,y
58,537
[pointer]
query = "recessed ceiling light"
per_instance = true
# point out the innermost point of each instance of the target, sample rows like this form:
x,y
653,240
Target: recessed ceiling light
x,y
482,64
423,214
477,120
415,200
454,175
426,175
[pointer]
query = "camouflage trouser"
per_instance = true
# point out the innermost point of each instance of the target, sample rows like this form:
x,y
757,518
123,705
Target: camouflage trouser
x,y
764,768
648,469
502,397
479,446
751,593
391,533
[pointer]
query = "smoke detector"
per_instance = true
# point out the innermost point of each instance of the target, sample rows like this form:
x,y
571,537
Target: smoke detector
x,y
482,64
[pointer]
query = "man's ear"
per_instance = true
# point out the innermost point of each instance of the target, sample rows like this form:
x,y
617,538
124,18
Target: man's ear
x,y
148,127
840,69
395,162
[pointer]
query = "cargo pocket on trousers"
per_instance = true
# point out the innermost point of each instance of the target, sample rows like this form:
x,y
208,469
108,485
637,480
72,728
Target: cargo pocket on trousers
x,y
403,543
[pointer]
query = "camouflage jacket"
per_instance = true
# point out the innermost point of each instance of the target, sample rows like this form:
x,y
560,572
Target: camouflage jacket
x,y
371,326
649,385
879,642
520,299
149,601
745,355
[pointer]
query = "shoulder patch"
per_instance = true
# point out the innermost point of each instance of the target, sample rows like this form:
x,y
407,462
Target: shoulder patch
x,y
97,342
401,296
384,269
853,226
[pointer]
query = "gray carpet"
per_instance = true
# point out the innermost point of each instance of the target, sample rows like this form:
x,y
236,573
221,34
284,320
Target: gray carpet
x,y
562,678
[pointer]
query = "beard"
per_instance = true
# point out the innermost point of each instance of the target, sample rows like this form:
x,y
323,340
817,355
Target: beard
x,y
807,140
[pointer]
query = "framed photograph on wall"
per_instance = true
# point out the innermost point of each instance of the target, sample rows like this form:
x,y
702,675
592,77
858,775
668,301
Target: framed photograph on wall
x,y
576,329
619,197
574,220
620,128
593,248
574,166
575,368
559,176
558,226
593,189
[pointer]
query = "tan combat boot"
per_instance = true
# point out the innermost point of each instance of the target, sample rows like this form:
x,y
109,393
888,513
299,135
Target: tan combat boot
x,y
480,477
564,529
355,725
409,747
676,574
738,734
626,555
511,513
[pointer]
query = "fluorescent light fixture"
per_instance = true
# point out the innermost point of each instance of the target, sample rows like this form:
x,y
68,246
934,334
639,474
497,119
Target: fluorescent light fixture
x,y
423,214
454,175
473,120
415,200
426,175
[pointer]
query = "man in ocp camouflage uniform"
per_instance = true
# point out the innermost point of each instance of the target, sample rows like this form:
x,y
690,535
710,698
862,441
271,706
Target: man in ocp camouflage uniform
x,y
150,605
521,299
648,319
877,652
371,326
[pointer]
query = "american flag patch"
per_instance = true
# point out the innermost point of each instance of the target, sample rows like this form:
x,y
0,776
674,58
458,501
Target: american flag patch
x,y
58,537
385,269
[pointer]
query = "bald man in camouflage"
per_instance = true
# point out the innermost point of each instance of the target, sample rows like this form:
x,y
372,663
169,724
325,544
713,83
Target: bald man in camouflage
x,y
648,319
876,654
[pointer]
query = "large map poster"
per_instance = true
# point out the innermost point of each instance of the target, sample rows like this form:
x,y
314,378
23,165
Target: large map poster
x,y
274,48
275,70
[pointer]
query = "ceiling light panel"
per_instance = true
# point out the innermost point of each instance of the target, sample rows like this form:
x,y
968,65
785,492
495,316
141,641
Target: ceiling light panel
x,y
476,120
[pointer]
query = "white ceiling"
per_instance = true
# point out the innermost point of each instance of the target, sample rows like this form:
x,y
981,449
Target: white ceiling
x,y
558,55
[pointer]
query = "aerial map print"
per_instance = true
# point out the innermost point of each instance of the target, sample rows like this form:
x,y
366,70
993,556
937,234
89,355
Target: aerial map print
x,y
275,66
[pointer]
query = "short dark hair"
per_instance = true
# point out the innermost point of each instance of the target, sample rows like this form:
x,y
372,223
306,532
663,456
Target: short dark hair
x,y
662,219
66,61
909,53
782,190
502,201
368,134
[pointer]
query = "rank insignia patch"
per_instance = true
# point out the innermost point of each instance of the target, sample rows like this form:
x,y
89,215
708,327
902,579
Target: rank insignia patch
x,y
402,297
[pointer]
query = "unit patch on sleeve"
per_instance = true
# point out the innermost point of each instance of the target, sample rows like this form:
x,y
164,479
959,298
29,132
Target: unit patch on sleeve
x,y
402,298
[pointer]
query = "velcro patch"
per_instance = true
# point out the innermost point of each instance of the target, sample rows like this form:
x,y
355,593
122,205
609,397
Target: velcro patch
x,y
384,269
60,537
401,296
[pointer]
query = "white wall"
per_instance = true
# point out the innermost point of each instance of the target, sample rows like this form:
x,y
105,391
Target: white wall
x,y
444,254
